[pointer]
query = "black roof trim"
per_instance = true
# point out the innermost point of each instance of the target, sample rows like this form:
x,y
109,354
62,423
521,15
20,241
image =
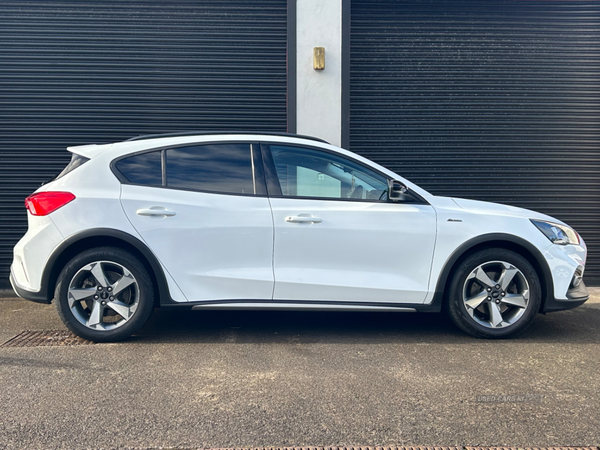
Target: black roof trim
x,y
192,133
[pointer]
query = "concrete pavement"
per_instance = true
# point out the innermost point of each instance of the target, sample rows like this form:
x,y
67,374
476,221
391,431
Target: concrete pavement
x,y
239,379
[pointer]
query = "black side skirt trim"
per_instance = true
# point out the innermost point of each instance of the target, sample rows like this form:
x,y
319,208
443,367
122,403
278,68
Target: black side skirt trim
x,y
417,307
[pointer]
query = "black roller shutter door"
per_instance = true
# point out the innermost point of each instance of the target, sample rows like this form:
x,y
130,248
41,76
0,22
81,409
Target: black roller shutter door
x,y
76,72
491,100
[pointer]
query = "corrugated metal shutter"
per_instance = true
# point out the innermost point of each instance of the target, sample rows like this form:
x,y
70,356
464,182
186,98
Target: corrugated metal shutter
x,y
492,100
74,72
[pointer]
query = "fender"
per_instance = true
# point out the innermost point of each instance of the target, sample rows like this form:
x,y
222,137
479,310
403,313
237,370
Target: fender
x,y
510,241
62,251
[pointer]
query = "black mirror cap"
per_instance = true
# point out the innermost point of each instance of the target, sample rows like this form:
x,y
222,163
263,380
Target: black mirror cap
x,y
398,190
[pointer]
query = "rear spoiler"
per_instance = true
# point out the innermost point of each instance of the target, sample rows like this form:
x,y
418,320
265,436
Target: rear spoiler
x,y
90,150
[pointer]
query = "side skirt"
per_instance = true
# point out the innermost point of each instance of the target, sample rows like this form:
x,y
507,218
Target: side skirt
x,y
291,305
275,306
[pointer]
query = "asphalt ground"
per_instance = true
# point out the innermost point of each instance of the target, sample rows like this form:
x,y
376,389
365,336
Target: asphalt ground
x,y
206,379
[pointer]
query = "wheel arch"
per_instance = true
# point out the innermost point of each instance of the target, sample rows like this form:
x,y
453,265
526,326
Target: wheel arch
x,y
496,240
103,237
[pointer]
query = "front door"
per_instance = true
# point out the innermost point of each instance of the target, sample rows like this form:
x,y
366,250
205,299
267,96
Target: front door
x,y
338,238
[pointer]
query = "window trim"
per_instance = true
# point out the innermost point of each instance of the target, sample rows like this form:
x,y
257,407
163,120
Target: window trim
x,y
274,187
259,181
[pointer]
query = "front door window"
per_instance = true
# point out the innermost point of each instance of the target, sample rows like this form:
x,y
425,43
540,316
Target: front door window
x,y
309,173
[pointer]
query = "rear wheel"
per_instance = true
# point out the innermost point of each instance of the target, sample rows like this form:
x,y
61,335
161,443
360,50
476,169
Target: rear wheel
x,y
494,293
104,294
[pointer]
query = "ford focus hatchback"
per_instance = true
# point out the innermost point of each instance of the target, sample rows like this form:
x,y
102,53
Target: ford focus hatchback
x,y
248,221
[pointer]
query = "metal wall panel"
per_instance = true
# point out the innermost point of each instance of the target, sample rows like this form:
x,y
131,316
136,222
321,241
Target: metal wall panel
x,y
76,72
491,100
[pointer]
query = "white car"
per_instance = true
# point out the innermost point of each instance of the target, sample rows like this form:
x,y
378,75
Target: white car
x,y
268,221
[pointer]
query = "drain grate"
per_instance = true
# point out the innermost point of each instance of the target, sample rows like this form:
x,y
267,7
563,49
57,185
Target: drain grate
x,y
45,339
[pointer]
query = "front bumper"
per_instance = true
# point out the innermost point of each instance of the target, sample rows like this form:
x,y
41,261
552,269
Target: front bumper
x,y
575,297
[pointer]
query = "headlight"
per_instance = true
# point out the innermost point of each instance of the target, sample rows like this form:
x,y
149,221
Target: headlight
x,y
558,234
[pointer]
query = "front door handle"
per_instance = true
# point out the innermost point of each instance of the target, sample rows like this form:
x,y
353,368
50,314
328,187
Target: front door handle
x,y
155,211
303,218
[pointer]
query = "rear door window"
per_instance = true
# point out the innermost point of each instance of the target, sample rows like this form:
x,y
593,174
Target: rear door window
x,y
220,168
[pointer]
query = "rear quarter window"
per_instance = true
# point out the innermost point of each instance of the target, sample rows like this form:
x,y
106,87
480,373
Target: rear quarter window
x,y
76,161
144,169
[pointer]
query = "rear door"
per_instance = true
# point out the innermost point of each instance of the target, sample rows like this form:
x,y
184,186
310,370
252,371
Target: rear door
x,y
337,238
202,209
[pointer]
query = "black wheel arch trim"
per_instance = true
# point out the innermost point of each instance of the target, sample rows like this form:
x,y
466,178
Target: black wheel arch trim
x,y
539,262
51,271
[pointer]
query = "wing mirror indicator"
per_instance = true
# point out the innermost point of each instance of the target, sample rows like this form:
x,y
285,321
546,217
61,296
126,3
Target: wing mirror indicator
x,y
398,190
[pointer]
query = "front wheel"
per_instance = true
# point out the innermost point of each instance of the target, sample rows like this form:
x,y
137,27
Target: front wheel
x,y
494,293
104,294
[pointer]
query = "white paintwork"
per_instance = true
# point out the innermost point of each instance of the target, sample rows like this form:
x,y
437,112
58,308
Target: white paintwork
x,y
32,252
89,150
563,261
319,92
215,246
221,247
480,218
360,251
96,205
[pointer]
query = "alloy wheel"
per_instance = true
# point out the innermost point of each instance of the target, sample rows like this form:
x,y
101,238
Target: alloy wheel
x,y
496,294
103,295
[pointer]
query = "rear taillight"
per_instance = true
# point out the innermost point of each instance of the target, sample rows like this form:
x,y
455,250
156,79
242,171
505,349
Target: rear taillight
x,y
43,203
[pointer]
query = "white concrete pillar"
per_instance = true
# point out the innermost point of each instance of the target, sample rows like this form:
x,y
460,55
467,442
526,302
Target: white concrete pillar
x,y
319,92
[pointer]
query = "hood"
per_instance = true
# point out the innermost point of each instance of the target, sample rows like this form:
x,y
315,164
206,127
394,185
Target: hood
x,y
497,209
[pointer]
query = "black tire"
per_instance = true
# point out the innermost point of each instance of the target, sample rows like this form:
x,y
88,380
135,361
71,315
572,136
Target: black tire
x,y
116,268
524,291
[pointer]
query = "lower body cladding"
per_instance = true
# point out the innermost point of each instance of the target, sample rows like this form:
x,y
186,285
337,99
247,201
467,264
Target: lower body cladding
x,y
575,297
297,306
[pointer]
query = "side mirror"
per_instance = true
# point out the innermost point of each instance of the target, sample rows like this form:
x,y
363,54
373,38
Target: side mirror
x,y
397,191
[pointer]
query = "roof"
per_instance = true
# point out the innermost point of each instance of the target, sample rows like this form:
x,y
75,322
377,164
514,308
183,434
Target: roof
x,y
192,133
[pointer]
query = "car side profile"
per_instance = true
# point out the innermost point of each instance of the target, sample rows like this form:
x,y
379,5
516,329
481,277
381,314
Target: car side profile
x,y
268,221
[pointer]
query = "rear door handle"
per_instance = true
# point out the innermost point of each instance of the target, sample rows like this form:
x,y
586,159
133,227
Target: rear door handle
x,y
303,218
155,211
